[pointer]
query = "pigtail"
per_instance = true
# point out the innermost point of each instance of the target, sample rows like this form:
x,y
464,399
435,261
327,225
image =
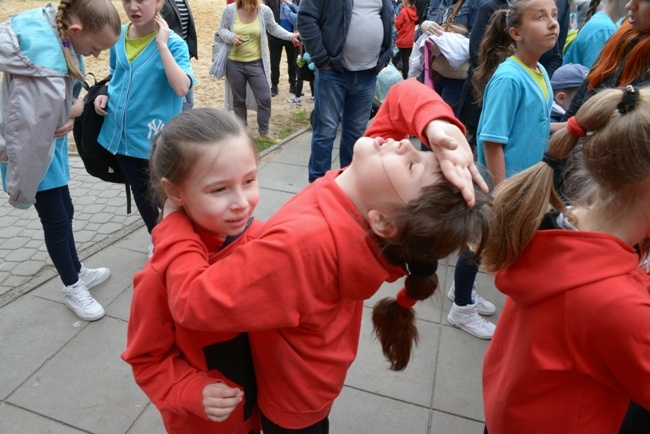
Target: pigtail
x,y
62,24
432,226
593,8
394,318
496,46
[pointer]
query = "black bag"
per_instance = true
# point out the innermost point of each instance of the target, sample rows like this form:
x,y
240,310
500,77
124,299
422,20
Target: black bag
x,y
97,160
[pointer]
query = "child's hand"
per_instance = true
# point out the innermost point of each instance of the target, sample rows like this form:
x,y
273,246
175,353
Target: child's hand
x,y
455,157
100,105
162,30
219,401
64,129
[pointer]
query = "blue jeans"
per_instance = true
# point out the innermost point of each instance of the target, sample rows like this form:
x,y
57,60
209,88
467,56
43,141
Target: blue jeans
x,y
345,98
55,209
449,90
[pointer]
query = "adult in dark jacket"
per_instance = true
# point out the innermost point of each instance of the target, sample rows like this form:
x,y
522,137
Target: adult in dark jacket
x,y
276,46
178,15
349,42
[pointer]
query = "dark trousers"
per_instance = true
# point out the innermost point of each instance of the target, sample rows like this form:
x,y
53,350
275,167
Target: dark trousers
x,y
322,427
464,277
404,54
136,171
275,48
55,209
252,73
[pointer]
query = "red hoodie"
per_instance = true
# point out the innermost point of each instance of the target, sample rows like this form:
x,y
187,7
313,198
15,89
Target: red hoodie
x,y
299,288
573,342
173,364
405,26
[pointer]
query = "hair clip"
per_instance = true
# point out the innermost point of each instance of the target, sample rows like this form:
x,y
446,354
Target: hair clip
x,y
404,300
551,160
66,43
421,268
574,128
630,97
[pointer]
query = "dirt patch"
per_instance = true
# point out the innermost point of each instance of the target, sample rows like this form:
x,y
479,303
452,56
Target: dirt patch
x,y
208,91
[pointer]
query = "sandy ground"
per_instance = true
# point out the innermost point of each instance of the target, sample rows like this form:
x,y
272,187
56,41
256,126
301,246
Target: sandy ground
x,y
208,91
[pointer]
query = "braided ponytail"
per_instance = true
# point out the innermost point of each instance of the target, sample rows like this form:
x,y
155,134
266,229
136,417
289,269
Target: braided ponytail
x,y
62,24
432,226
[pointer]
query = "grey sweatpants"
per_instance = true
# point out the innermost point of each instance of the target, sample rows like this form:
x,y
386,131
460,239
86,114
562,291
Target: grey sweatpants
x,y
240,73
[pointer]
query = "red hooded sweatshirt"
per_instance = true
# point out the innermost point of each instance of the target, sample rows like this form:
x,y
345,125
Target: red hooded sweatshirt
x,y
173,364
573,342
405,26
299,288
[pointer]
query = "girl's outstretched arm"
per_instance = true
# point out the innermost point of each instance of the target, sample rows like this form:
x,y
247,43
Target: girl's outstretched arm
x,y
176,76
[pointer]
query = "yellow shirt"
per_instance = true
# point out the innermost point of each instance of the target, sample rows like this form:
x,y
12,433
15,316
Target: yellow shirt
x,y
537,75
250,50
136,46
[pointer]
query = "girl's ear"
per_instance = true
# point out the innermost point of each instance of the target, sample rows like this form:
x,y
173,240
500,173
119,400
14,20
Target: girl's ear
x,y
514,34
172,191
379,224
74,29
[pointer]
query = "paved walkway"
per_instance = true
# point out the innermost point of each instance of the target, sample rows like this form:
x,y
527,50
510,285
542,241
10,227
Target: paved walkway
x,y
62,375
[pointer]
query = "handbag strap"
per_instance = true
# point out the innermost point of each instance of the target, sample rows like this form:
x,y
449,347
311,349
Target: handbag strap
x,y
452,17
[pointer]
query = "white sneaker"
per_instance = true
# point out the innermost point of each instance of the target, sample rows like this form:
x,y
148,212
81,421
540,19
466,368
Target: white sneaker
x,y
467,319
79,300
92,277
483,306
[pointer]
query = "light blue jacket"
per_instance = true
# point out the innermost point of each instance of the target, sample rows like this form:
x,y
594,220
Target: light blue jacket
x,y
586,47
516,114
36,97
140,98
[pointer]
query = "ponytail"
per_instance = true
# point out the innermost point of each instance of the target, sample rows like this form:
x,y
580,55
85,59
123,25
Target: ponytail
x,y
593,8
62,26
496,46
430,227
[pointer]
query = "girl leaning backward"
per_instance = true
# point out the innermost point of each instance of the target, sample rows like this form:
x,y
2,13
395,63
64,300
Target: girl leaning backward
x,y
40,57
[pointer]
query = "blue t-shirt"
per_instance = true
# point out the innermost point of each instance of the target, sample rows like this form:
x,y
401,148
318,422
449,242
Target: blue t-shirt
x,y
586,47
516,114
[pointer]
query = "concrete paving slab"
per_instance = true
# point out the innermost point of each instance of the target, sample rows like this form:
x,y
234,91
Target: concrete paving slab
x,y
149,422
359,412
86,385
32,330
270,202
120,308
443,423
12,417
283,177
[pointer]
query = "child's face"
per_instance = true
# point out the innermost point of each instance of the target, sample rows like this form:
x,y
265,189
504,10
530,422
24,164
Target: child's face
x,y
394,169
539,28
141,12
222,192
91,44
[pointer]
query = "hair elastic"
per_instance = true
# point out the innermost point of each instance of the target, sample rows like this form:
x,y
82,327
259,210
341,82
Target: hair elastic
x,y
551,160
66,43
404,300
574,128
630,97
422,268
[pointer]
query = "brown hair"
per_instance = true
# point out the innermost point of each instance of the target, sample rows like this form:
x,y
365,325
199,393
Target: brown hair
x,y
248,5
94,16
429,228
176,148
593,8
627,47
615,159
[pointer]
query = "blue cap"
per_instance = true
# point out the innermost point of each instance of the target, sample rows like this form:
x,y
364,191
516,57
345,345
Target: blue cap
x,y
568,76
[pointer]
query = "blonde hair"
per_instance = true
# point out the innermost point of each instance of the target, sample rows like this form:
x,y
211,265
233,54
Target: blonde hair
x,y
94,16
614,162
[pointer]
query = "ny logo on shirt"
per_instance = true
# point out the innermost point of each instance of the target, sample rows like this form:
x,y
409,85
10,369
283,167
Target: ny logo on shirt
x,y
154,126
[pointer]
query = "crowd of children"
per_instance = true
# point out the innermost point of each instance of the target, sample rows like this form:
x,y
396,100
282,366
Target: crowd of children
x,y
567,157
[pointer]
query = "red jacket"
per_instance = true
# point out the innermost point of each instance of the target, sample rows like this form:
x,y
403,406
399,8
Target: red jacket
x,y
573,342
405,26
173,365
299,288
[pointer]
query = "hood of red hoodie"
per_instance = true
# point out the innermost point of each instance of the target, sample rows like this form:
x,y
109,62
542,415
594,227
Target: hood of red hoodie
x,y
557,261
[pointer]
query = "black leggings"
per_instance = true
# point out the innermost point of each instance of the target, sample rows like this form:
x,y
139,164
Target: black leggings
x,y
322,427
136,171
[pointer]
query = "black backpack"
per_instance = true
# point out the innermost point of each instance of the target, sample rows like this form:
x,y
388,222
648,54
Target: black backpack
x,y
97,160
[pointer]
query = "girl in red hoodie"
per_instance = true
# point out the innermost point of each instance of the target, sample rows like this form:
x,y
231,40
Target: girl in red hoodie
x,y
405,27
201,382
299,287
573,343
